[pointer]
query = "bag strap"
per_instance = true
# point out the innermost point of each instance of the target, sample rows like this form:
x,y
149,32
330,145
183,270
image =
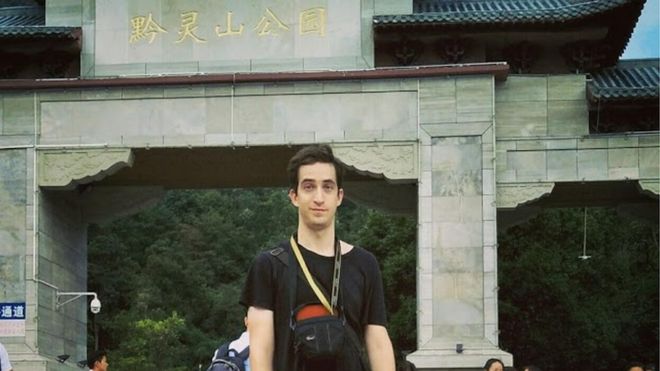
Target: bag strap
x,y
290,262
335,278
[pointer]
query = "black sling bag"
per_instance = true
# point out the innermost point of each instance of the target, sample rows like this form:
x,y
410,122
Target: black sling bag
x,y
350,337
319,337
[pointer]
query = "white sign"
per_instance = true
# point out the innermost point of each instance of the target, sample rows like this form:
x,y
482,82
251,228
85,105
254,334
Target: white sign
x,y
12,328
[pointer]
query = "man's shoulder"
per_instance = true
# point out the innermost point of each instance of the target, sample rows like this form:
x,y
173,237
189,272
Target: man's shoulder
x,y
362,252
278,253
362,257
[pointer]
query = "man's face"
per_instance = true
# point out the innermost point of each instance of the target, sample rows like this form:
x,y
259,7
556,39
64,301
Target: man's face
x,y
636,368
317,196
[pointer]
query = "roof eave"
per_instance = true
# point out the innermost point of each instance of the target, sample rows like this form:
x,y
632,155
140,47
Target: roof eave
x,y
499,70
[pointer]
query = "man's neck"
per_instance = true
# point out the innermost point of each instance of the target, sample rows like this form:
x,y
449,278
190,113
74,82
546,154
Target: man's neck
x,y
321,242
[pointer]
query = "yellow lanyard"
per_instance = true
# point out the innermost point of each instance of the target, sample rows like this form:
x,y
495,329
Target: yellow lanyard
x,y
308,276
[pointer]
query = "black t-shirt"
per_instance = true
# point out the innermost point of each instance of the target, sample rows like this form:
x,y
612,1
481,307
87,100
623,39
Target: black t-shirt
x,y
360,292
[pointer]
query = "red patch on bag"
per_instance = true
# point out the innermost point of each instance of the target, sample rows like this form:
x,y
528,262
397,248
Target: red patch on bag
x,y
311,311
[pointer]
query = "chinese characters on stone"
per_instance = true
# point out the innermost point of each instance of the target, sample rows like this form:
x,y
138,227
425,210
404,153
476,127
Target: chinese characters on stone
x,y
311,22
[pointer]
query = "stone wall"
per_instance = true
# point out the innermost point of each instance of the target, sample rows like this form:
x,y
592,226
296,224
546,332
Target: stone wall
x,y
540,106
63,263
15,213
291,113
543,137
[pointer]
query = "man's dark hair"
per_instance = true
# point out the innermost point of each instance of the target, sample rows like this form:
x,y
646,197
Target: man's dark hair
x,y
310,155
531,368
95,356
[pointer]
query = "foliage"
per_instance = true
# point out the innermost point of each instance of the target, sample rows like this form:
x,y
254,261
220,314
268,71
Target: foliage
x,y
392,240
152,345
565,313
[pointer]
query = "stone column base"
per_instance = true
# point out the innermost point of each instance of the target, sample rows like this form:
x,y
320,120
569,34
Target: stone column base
x,y
37,363
449,360
23,358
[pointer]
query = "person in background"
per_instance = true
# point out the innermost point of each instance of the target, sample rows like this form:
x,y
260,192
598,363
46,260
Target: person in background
x,y
5,365
98,361
494,364
234,352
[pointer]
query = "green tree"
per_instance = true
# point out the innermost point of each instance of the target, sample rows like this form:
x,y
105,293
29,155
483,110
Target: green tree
x,y
392,240
151,345
561,312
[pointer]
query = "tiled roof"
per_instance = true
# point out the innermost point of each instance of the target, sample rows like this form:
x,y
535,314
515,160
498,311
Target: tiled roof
x,y
28,21
38,32
22,16
629,79
455,12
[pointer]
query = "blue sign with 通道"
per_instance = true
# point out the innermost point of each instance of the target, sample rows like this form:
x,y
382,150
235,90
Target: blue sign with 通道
x,y
12,311
12,319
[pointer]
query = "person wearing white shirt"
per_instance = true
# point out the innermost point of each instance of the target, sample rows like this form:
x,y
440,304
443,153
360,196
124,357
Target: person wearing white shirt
x,y
5,365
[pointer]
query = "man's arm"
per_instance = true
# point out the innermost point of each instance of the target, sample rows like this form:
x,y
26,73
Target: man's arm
x,y
379,348
262,338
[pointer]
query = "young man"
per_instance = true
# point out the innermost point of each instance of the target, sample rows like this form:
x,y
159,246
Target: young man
x,y
98,361
315,179
4,359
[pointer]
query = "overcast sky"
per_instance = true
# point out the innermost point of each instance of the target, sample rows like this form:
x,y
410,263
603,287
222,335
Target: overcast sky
x,y
645,40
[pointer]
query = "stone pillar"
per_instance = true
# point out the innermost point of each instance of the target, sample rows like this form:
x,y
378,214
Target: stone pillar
x,y
16,198
457,238
35,266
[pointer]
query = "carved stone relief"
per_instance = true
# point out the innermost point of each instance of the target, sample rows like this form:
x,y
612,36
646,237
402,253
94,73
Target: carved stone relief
x,y
394,161
66,169
510,196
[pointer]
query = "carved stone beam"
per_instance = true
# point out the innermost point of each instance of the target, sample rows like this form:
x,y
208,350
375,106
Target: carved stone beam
x,y
650,187
509,196
66,169
396,161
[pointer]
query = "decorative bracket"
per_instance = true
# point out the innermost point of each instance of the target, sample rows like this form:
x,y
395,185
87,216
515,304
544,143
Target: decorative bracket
x,y
650,186
452,49
66,169
511,196
406,51
394,161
